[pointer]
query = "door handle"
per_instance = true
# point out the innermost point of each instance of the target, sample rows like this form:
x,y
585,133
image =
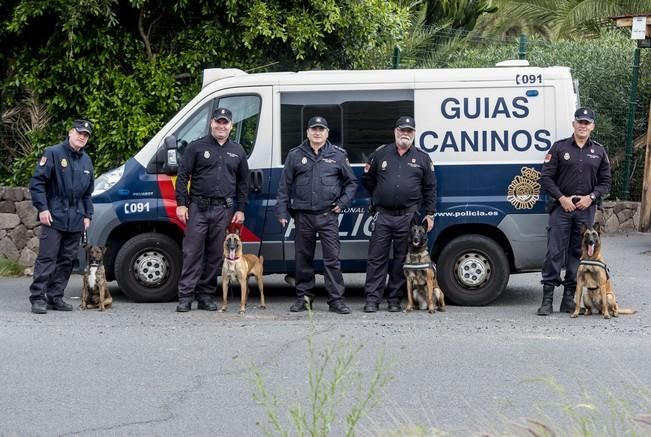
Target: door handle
x,y
256,180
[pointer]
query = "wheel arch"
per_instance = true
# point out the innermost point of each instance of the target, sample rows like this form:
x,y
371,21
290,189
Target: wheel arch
x,y
126,231
492,232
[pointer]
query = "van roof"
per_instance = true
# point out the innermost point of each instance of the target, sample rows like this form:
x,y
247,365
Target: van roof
x,y
221,78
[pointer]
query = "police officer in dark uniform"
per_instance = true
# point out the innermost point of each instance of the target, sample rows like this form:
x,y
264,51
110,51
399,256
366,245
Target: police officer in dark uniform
x,y
576,173
61,188
401,180
219,172
317,183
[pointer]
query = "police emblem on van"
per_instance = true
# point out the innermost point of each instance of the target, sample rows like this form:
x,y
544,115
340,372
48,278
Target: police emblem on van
x,y
524,189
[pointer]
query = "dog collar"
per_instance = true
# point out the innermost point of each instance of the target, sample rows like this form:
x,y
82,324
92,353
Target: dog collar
x,y
94,264
589,262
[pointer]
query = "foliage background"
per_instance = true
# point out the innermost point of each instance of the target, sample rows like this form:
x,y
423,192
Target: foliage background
x,y
130,65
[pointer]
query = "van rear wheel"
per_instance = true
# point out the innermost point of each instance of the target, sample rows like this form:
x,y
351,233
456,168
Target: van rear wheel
x,y
148,266
473,270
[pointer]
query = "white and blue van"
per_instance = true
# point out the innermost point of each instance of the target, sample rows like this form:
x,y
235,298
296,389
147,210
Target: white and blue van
x,y
486,129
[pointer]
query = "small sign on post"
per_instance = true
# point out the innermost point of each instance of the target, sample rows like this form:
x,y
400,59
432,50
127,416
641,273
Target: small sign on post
x,y
638,30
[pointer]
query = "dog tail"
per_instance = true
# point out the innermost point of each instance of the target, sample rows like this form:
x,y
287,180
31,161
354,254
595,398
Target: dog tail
x,y
626,311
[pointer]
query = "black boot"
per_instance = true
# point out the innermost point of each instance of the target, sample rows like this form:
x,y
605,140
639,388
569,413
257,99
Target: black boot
x,y
548,297
567,304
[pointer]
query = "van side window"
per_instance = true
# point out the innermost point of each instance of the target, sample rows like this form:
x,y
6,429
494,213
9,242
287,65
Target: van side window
x,y
246,117
197,126
359,121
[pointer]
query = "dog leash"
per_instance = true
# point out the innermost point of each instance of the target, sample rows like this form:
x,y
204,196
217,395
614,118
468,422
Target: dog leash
x,y
588,262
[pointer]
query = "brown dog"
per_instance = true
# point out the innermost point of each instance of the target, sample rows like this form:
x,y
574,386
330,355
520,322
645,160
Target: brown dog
x,y
94,291
593,274
237,267
422,285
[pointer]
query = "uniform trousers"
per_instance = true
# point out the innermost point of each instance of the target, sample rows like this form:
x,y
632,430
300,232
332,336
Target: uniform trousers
x,y
564,244
326,225
57,251
203,250
389,231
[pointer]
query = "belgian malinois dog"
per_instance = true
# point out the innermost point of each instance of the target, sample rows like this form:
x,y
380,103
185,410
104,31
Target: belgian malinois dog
x,y
593,274
94,290
422,285
238,267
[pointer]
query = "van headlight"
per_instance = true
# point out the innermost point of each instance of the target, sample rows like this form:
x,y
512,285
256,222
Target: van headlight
x,y
107,180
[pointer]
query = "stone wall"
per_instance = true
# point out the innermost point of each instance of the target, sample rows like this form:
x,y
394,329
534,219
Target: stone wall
x,y
20,228
621,217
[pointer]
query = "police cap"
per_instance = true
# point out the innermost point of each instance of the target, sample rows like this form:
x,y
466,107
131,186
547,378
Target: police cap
x,y
83,126
224,113
317,121
406,122
584,114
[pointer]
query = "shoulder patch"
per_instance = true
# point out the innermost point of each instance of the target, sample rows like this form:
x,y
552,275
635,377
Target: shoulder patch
x,y
341,149
381,147
43,161
421,151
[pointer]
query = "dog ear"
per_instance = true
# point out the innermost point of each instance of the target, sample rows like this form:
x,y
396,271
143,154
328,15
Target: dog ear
x,y
582,228
597,227
103,249
237,230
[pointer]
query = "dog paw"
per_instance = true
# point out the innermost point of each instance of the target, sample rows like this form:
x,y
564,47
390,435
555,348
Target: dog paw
x,y
264,307
574,315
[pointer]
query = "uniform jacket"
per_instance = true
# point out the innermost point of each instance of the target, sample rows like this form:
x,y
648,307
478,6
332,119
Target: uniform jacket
x,y
315,183
63,183
570,170
400,182
216,172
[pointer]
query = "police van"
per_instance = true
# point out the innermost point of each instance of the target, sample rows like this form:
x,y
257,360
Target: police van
x,y
486,129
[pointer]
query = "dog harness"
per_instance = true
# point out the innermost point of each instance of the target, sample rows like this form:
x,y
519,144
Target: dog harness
x,y
588,262
422,266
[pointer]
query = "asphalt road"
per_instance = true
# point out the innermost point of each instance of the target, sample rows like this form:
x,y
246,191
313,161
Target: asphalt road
x,y
145,370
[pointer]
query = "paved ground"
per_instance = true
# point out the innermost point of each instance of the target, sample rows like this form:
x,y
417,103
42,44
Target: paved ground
x,y
142,369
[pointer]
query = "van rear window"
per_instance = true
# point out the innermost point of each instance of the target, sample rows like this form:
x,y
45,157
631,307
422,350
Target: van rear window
x,y
359,121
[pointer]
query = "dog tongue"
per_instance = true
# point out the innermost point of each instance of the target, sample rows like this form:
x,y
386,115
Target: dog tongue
x,y
590,249
231,253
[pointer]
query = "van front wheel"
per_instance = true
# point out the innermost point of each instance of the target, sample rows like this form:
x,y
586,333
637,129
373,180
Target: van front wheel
x,y
148,266
473,270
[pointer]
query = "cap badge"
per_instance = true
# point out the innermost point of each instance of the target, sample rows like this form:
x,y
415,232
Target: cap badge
x,y
43,161
64,163
585,111
206,154
384,165
407,120
304,160
86,124
566,156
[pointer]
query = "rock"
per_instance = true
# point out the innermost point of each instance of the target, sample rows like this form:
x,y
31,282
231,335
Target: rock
x,y
627,226
625,215
3,234
19,236
612,224
28,194
8,250
27,213
32,244
9,221
7,206
27,258
15,194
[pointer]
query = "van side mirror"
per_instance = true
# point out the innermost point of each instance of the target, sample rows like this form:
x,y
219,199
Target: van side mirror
x,y
171,162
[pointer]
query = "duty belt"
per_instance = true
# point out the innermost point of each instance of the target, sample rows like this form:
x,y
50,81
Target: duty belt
x,y
397,212
205,202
